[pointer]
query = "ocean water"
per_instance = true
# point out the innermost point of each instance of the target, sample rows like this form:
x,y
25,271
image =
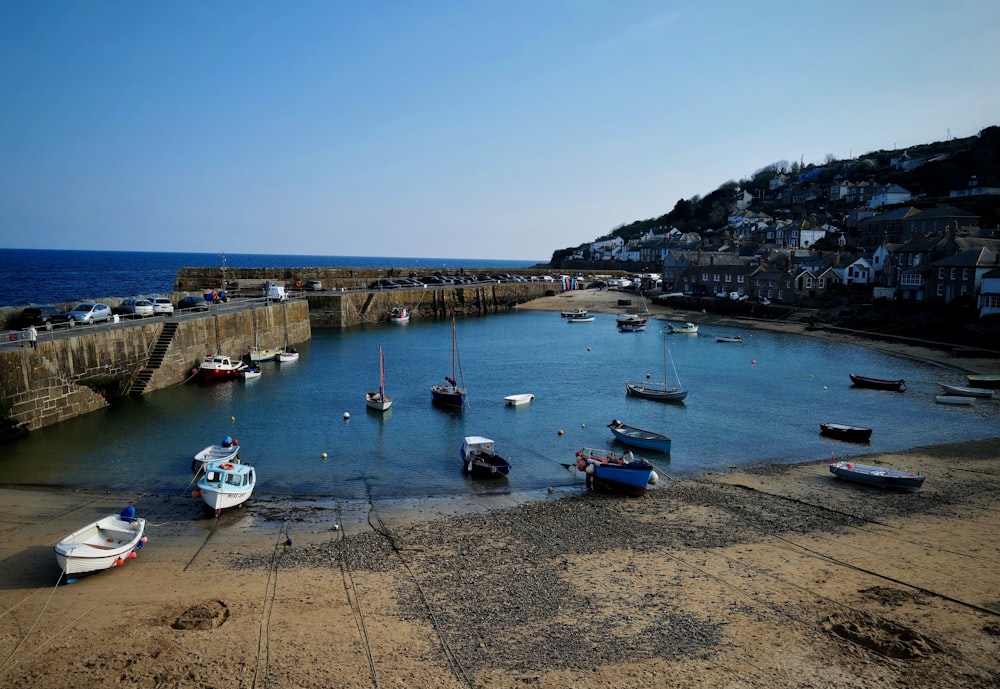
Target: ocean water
x,y
41,276
752,403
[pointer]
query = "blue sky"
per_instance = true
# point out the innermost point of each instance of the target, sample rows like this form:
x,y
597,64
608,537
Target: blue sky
x,y
487,129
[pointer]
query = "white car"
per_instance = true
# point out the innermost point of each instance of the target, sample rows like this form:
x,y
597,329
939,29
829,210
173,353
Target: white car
x,y
90,312
137,307
162,306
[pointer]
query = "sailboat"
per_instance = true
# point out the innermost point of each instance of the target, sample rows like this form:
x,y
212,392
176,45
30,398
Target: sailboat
x,y
450,395
656,391
378,400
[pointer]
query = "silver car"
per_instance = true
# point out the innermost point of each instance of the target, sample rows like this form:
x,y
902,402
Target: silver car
x,y
89,312
137,307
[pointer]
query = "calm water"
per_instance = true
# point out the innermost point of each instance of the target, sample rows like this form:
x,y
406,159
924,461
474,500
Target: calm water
x,y
737,412
40,276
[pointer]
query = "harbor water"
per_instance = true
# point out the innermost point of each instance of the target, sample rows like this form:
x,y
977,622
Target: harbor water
x,y
306,429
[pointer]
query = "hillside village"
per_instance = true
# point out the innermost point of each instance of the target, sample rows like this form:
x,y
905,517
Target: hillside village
x,y
919,227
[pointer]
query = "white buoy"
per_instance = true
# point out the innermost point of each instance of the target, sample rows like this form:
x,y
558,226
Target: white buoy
x,y
654,478
324,455
347,415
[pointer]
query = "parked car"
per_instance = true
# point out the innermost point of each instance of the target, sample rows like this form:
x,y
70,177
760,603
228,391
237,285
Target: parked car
x,y
90,312
192,304
313,285
136,307
45,316
162,306
384,283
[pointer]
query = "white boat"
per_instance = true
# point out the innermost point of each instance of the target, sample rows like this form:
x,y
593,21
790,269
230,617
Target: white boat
x,y
378,400
518,400
251,372
480,459
287,356
962,391
581,319
226,451
225,484
576,313
399,314
954,399
259,354
685,329
218,367
729,338
106,543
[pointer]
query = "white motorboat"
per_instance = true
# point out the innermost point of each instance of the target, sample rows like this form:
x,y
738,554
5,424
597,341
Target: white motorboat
x,y
225,484
685,329
105,543
226,451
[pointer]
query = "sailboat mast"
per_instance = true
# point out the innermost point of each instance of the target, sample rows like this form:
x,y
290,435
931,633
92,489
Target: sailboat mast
x,y
381,374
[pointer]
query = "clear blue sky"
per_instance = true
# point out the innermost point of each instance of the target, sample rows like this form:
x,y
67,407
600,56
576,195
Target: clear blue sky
x,y
482,129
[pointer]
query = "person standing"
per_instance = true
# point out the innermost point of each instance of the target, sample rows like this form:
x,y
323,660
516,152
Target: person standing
x,y
33,336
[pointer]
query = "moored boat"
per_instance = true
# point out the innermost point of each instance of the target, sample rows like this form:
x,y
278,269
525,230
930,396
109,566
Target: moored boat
x,y
877,476
621,473
226,451
576,313
878,383
729,338
684,329
980,380
259,354
399,314
637,437
105,543
658,392
251,372
450,395
480,459
840,431
378,400
962,391
218,367
631,323
225,484
518,400
287,356
581,319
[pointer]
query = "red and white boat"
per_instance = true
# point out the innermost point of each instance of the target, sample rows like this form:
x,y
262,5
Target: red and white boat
x,y
219,367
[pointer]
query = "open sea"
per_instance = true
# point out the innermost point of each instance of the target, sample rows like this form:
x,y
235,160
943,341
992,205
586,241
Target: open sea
x,y
752,403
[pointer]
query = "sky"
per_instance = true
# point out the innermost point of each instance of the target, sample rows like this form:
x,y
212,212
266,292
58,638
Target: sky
x,y
502,129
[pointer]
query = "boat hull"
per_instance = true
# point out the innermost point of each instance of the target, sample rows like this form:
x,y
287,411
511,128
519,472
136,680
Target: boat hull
x,y
448,396
955,400
962,391
216,453
983,380
650,391
100,545
853,434
877,476
612,472
518,400
637,437
378,401
225,485
878,383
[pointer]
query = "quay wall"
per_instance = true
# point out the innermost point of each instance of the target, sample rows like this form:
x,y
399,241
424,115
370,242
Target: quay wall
x,y
64,377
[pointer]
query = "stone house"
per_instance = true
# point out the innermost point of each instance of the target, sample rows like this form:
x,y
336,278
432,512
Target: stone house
x,y
959,275
989,294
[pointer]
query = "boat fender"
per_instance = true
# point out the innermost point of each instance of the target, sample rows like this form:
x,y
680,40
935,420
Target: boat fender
x,y
581,464
850,466
235,442
590,469
226,467
654,478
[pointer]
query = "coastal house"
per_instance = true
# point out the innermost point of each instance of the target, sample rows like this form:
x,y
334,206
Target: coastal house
x,y
889,195
959,275
857,272
988,303
975,188
768,283
886,227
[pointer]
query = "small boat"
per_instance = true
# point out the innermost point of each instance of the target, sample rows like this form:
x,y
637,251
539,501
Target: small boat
x,y
450,395
659,392
954,399
251,372
962,391
103,544
581,319
840,431
399,314
576,313
518,400
631,323
637,437
729,338
979,380
217,367
685,329
259,354
877,476
287,356
480,459
878,383
226,451
378,400
618,472
226,484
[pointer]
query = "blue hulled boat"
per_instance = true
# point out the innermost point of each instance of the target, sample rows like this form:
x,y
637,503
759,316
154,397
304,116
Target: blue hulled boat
x,y
622,473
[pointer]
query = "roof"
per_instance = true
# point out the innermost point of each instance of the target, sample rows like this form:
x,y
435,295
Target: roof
x,y
973,258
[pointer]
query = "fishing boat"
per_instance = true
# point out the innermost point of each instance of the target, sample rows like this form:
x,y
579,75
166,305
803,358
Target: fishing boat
x,y
631,323
378,400
215,367
656,391
684,329
963,391
103,544
729,338
621,473
480,459
581,319
518,400
840,431
637,437
575,313
878,383
226,451
877,476
979,380
399,314
251,372
954,400
450,395
226,484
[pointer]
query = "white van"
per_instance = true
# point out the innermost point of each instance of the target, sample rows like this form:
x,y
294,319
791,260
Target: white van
x,y
276,293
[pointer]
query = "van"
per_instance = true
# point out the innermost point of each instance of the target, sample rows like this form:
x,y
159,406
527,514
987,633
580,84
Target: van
x,y
276,293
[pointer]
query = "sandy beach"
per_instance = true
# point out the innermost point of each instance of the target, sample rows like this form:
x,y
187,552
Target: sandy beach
x,y
781,576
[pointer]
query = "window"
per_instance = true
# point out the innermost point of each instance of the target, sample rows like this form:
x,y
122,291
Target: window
x,y
809,283
822,283
729,278
954,273
940,273
940,289
739,279
704,277
965,274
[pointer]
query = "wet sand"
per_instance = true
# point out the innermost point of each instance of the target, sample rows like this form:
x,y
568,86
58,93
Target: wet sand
x,y
779,577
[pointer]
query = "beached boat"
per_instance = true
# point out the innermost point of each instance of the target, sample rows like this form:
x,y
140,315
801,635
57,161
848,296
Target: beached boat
x,y
480,459
218,367
658,392
622,473
226,451
962,391
637,437
877,476
979,380
729,338
954,400
581,319
840,431
576,313
518,400
399,314
450,395
878,383
684,329
105,543
378,400
226,484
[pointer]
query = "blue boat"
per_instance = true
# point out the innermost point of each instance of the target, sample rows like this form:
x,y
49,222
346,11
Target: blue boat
x,y
637,437
877,476
621,473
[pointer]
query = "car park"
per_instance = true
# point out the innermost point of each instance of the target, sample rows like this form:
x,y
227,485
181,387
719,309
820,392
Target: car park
x,y
90,312
162,306
46,316
136,307
192,304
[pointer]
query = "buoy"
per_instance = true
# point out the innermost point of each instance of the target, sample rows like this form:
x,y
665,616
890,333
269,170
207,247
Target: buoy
x,y
589,469
588,349
144,539
324,455
560,431
347,415
753,362
654,478
119,562
583,425
824,387
196,494
647,376
232,418
336,527
133,555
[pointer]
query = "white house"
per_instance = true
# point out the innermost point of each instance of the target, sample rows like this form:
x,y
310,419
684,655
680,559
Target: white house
x,y
989,294
857,273
889,195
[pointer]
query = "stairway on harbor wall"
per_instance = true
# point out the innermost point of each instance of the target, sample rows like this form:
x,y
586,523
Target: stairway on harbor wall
x,y
156,354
